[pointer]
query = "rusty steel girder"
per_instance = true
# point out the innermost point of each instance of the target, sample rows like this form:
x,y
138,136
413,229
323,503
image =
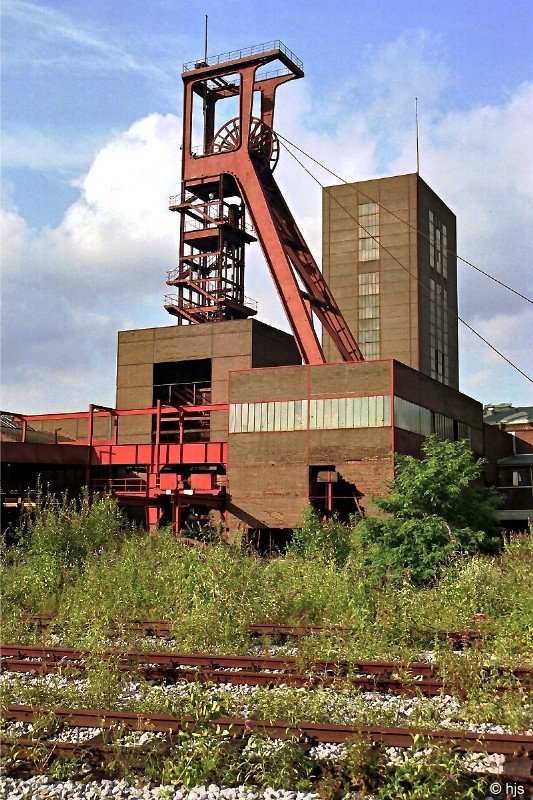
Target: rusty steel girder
x,y
228,175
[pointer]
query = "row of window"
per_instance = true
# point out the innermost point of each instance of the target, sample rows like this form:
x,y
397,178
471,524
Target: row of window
x,y
438,306
348,412
322,414
412,417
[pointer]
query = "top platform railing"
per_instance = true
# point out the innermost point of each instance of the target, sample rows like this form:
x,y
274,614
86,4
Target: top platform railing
x,y
234,55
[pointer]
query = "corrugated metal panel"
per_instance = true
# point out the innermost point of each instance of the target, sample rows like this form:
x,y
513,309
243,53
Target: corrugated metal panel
x,y
335,413
463,430
300,418
349,412
320,414
363,403
327,413
426,422
443,426
284,415
277,416
372,412
305,412
290,415
264,417
270,426
476,440
406,415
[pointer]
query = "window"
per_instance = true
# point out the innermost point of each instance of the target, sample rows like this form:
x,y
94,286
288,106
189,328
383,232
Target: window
x,y
438,306
438,245
368,232
414,418
369,314
522,477
438,300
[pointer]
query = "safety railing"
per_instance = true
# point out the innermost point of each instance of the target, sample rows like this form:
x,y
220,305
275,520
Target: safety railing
x,y
234,55
131,484
173,300
194,393
206,215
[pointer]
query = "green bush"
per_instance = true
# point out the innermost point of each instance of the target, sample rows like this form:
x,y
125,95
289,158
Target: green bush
x,y
437,513
54,543
323,540
68,531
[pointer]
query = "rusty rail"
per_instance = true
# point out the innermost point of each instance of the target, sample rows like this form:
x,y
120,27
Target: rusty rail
x,y
274,629
505,744
427,688
378,676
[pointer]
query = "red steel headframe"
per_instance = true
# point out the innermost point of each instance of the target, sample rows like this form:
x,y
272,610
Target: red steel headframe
x,y
237,162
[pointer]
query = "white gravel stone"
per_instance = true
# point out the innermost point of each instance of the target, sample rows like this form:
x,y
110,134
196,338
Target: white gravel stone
x,y
46,788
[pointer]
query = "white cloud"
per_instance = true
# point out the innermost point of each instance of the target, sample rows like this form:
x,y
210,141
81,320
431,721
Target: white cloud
x,y
69,288
485,374
23,146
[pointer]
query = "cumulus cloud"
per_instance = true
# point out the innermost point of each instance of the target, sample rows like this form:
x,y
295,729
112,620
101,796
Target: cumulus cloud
x,y
68,289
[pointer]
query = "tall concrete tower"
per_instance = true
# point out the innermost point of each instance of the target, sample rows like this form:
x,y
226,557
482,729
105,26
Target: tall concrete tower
x,y
396,288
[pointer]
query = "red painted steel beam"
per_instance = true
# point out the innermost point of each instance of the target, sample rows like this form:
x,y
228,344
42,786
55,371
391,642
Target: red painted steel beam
x,y
125,412
76,454
288,257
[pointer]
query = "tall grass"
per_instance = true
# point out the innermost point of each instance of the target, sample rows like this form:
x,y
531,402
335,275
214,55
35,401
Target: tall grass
x,y
79,562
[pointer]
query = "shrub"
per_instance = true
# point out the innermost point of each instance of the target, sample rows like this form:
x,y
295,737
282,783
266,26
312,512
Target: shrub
x,y
67,531
437,513
324,540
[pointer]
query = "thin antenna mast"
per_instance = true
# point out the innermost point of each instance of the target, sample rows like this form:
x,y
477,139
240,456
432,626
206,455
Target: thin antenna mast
x,y
417,146
204,102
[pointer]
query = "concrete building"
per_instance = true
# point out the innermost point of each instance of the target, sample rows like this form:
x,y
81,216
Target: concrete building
x,y
270,435
389,258
511,468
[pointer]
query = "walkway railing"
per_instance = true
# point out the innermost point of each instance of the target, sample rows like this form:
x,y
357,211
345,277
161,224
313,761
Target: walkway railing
x,y
234,55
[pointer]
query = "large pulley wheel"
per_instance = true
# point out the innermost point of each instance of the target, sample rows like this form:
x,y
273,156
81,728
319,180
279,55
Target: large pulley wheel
x,y
263,144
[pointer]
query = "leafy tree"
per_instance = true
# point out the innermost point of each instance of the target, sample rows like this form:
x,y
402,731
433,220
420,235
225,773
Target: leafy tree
x,y
437,512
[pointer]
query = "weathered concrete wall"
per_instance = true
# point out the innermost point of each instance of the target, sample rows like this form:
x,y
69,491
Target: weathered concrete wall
x,y
230,345
403,262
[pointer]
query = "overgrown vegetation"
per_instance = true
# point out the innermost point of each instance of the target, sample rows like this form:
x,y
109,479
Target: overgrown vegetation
x,y
436,514
393,585
202,756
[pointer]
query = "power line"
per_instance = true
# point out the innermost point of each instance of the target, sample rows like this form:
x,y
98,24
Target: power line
x,y
446,308
413,227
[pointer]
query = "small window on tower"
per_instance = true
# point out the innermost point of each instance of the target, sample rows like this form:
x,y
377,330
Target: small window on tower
x,y
368,231
369,314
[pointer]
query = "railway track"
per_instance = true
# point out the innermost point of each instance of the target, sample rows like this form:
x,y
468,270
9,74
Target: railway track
x,y
308,732
163,628
418,678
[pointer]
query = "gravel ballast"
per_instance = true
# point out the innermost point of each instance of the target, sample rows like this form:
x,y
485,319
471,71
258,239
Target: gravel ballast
x,y
42,787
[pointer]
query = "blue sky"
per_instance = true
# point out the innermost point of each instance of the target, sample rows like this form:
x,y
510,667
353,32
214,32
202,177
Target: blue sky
x,y
91,127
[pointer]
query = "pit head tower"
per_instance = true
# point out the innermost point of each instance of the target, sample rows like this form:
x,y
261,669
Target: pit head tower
x,y
229,154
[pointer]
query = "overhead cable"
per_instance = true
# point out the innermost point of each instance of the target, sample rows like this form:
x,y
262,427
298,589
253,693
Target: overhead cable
x,y
446,308
408,224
